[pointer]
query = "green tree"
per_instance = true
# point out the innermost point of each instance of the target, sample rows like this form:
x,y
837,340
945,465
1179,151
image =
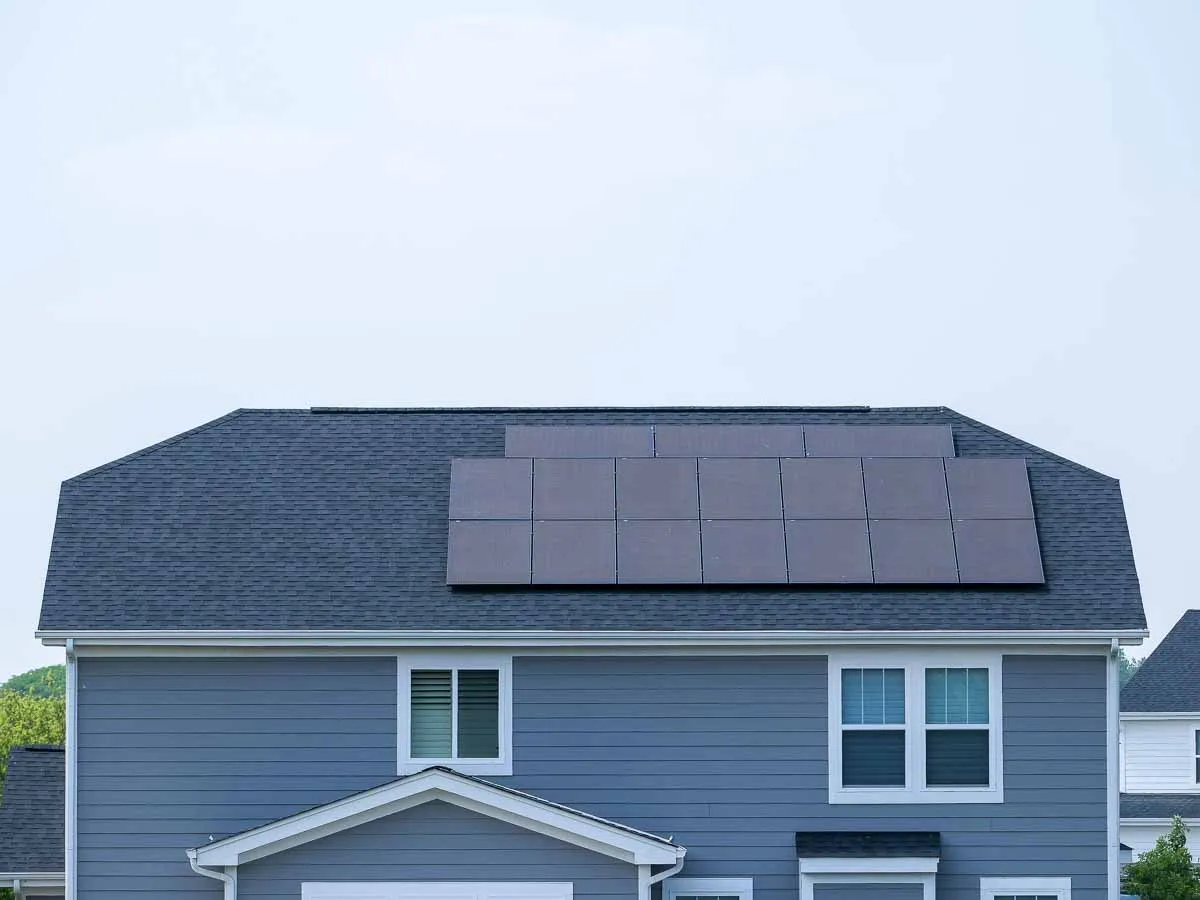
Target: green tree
x,y
29,720
1129,666
1165,872
48,681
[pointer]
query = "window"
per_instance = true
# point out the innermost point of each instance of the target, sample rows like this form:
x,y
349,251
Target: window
x,y
1025,888
916,726
1196,738
455,710
708,889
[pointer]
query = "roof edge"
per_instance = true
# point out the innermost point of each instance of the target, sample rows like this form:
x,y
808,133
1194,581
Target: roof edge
x,y
1040,451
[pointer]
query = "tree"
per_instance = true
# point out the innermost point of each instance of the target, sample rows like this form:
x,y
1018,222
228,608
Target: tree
x,y
1129,666
1165,872
48,681
29,720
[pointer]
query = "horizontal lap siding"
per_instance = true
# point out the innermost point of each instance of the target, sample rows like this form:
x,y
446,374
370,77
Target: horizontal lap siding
x,y
438,842
172,751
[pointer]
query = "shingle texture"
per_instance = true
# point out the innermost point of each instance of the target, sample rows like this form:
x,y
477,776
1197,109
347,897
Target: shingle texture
x,y
868,844
289,519
1168,680
1160,806
31,813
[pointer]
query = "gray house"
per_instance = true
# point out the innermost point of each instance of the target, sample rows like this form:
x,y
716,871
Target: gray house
x,y
31,823
521,654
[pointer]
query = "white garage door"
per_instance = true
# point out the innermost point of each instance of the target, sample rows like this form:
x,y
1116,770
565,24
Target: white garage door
x,y
437,890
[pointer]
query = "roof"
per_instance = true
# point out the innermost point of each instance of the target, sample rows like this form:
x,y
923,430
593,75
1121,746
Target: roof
x,y
32,811
337,519
868,844
438,783
1160,806
1168,680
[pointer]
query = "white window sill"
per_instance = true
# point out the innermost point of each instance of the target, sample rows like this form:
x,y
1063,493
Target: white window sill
x,y
926,795
464,766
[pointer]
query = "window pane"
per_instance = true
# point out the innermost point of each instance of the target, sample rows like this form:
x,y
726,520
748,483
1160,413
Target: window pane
x,y
956,696
1198,743
977,696
956,758
893,696
872,758
478,714
430,714
873,696
852,696
935,696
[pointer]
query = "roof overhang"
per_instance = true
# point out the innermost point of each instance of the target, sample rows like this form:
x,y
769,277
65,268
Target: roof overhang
x,y
391,640
1158,716
34,883
1158,821
568,825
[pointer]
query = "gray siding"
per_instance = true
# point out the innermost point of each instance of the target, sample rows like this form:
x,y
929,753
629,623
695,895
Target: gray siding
x,y
728,754
438,842
867,892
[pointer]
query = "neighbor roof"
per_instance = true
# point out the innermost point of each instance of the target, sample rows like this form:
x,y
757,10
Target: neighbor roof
x,y
1168,680
337,519
1160,806
32,811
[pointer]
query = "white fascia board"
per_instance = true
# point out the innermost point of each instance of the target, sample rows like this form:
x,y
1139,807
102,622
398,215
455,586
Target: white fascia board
x,y
891,865
1165,823
526,638
558,822
34,879
1158,716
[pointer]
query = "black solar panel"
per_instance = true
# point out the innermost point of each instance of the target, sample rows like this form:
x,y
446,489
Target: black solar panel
x,y
989,489
913,552
823,489
729,440
740,489
574,489
906,489
657,489
489,553
574,552
743,552
828,552
650,552
998,551
491,489
578,441
879,440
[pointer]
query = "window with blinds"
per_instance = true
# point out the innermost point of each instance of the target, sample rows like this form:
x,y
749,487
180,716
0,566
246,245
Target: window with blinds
x,y
957,750
454,714
873,733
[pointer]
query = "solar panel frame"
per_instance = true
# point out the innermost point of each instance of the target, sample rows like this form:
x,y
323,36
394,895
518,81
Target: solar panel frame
x,y
829,488
743,441
491,488
578,441
913,551
740,489
743,551
828,551
574,489
489,552
896,441
658,551
998,551
575,552
660,489
906,489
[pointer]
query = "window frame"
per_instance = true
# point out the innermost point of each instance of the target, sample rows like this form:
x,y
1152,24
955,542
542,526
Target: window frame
x,y
1025,885
1195,754
914,662
742,888
406,763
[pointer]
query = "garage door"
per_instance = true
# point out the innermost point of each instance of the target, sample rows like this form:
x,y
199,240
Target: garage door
x,y
436,890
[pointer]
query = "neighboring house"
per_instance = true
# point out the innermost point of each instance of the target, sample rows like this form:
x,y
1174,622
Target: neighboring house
x,y
1160,740
682,654
31,823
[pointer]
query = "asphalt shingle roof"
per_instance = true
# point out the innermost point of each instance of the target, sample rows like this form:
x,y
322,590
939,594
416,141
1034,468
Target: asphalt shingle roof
x,y
1160,806
32,811
868,844
337,519
1168,680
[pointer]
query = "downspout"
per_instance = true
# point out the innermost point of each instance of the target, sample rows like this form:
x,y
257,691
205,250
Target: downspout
x,y
1114,776
647,881
229,878
72,735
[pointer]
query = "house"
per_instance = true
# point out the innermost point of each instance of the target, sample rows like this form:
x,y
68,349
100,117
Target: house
x,y
545,654
31,823
1160,740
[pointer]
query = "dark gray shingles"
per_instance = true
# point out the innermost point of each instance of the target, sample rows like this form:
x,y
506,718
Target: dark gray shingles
x,y
32,811
1169,678
868,844
281,519
1160,806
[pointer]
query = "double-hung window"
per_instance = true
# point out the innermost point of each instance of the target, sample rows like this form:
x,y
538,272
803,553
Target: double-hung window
x,y
455,711
915,726
1196,747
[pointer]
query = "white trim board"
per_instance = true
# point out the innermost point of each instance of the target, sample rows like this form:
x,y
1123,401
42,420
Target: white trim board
x,y
867,871
437,890
743,888
1027,885
559,822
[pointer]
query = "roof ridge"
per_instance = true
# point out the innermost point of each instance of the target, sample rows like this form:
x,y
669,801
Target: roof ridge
x,y
1040,451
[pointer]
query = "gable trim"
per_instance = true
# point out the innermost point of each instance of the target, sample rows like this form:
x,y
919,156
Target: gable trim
x,y
559,822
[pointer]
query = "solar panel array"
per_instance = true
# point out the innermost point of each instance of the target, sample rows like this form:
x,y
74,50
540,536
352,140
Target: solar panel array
x,y
739,505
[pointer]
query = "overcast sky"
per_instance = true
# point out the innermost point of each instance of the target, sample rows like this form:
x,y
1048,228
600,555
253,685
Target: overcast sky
x,y
988,206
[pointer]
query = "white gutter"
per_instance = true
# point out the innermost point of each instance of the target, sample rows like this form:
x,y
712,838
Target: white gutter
x,y
646,881
541,638
72,761
228,878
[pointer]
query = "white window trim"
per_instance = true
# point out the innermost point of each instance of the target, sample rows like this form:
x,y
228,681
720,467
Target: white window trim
x,y
405,763
914,661
871,870
1038,886
743,888
536,890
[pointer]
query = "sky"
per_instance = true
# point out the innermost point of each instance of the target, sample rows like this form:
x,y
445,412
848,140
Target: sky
x,y
993,207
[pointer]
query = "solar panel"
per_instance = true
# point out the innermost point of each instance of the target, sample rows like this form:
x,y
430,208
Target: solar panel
x,y
489,553
998,551
906,489
913,552
574,552
879,440
490,489
657,489
729,440
650,552
574,489
743,552
578,441
828,552
989,489
740,489
823,489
